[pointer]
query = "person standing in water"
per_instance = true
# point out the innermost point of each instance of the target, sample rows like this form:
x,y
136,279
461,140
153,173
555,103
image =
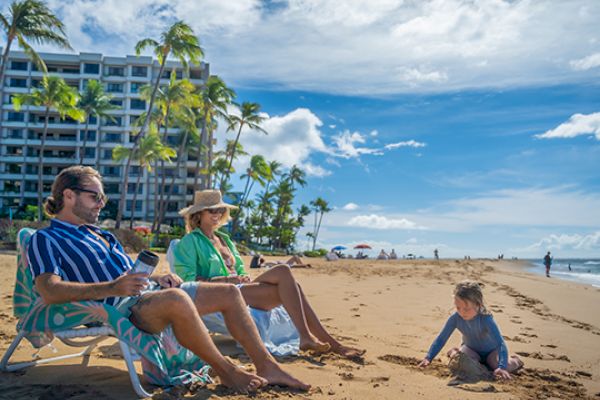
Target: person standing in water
x,y
548,264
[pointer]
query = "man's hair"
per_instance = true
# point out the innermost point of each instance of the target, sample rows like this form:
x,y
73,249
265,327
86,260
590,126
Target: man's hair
x,y
68,178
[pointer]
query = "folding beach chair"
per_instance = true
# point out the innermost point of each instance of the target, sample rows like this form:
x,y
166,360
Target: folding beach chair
x,y
164,361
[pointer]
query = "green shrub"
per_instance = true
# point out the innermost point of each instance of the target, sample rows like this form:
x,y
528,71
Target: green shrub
x,y
315,253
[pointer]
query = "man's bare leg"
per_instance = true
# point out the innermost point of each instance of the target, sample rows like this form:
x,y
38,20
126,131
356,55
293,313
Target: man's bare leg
x,y
155,311
227,299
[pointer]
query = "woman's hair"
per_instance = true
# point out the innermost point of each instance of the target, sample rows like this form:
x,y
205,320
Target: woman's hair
x,y
68,178
471,291
192,221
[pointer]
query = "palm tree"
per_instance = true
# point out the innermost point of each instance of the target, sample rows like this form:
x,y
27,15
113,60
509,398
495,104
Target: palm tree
x,y
94,101
257,171
53,93
179,40
296,176
320,207
250,117
30,21
215,96
150,149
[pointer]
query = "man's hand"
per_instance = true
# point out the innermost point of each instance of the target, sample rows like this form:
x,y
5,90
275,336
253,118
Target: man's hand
x,y
169,280
500,373
130,284
424,363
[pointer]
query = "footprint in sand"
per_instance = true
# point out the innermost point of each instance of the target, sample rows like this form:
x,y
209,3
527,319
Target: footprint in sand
x,y
552,346
539,356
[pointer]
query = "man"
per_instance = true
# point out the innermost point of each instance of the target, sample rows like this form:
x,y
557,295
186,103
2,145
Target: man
x,y
548,263
73,260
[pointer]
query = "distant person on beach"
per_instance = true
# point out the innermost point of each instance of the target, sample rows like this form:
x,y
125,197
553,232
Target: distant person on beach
x,y
383,255
548,264
393,255
74,260
570,267
293,262
208,255
482,340
436,255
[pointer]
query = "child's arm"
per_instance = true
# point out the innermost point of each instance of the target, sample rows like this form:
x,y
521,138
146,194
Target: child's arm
x,y
440,341
502,349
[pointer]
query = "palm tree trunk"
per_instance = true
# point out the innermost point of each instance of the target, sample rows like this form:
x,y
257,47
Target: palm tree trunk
x,y
163,176
85,135
155,226
177,166
209,180
234,225
41,165
98,136
9,40
205,177
198,172
135,143
137,187
226,174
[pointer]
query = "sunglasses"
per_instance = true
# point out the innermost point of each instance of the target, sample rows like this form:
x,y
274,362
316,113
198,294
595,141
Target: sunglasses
x,y
216,210
98,196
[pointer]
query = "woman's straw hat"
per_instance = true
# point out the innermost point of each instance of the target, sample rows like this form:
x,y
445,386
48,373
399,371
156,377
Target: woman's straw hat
x,y
205,199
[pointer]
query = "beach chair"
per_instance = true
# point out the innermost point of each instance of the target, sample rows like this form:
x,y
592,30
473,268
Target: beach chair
x,y
275,327
40,324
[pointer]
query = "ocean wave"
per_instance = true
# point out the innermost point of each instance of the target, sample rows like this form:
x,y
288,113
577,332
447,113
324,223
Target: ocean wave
x,y
591,263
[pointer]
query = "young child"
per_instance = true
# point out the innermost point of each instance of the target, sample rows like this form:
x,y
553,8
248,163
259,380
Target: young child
x,y
482,340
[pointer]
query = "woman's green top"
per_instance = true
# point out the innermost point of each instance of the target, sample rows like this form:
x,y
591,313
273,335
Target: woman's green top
x,y
197,258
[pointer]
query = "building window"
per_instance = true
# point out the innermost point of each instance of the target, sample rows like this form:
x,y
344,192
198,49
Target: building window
x,y
117,102
90,152
18,83
116,71
114,88
135,87
133,119
112,171
131,188
167,74
116,121
91,69
91,135
111,188
16,117
112,137
195,74
15,134
134,170
139,71
138,205
107,154
14,151
70,70
18,65
13,168
138,104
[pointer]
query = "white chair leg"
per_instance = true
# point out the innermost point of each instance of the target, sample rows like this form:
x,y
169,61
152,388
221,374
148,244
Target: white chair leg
x,y
11,350
135,381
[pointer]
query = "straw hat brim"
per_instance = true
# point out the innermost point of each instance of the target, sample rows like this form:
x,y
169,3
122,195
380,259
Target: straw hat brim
x,y
199,207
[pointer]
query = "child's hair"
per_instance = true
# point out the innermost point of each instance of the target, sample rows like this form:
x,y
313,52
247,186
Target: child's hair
x,y
471,291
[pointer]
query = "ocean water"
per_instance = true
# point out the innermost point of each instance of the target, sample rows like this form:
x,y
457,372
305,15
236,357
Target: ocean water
x,y
582,270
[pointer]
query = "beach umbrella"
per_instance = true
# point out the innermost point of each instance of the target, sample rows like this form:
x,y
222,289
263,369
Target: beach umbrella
x,y
362,246
337,248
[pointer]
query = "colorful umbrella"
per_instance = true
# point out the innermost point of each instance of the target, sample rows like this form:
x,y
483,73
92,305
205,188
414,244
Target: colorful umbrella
x,y
337,248
362,246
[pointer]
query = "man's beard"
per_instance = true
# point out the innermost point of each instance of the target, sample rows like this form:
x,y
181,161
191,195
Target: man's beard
x,y
86,214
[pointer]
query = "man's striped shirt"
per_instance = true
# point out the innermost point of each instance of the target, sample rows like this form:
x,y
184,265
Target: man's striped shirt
x,y
77,255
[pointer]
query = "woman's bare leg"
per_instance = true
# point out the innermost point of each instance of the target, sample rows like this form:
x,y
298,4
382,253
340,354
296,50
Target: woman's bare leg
x,y
278,286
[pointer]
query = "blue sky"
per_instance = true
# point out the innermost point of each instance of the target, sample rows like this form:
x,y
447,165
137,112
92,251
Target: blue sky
x,y
471,127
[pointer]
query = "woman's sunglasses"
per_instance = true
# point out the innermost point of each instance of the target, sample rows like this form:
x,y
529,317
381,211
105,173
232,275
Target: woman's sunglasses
x,y
98,196
216,210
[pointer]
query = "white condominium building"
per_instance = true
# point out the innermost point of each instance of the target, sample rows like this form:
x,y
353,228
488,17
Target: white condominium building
x,y
122,77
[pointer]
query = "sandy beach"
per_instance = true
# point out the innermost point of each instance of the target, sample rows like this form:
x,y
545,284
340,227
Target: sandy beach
x,y
394,309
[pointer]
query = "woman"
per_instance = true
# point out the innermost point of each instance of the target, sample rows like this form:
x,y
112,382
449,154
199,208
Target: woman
x,y
209,255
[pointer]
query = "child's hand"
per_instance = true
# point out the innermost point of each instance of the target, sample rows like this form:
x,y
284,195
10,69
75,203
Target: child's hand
x,y
500,373
424,363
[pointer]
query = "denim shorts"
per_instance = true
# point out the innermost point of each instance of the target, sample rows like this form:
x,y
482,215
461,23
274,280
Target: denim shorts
x,y
125,304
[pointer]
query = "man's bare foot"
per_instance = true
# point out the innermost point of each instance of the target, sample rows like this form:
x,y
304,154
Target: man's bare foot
x,y
237,379
277,376
347,351
314,346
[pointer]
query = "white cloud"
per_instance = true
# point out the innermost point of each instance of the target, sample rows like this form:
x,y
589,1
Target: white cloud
x,y
374,221
568,242
402,46
583,64
408,143
345,145
577,125
350,207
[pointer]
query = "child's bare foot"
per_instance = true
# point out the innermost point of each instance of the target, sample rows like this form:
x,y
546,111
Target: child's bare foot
x,y
517,364
348,352
276,376
314,346
240,381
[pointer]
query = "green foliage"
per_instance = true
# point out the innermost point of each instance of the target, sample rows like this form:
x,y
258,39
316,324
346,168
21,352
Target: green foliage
x,y
315,253
131,241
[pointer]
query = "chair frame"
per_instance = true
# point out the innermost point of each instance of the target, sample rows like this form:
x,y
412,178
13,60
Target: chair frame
x,y
97,334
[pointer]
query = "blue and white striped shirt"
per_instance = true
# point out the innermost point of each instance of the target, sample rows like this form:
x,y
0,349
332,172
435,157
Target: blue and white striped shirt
x,y
77,255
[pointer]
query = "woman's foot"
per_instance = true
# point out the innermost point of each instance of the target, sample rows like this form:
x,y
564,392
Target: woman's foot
x,y
240,381
274,375
347,351
312,345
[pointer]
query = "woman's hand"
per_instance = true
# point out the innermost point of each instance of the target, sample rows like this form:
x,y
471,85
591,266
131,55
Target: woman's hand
x,y
245,279
424,363
500,373
169,281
